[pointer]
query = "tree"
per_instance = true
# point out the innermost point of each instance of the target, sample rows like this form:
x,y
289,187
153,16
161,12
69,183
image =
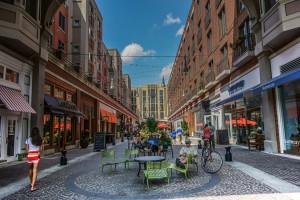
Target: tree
x,y
151,124
184,126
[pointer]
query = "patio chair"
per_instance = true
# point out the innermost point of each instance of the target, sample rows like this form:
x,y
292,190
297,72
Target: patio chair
x,y
156,170
130,154
184,171
110,156
166,150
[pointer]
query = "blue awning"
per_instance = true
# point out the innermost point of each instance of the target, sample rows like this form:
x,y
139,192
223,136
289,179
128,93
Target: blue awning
x,y
279,80
232,98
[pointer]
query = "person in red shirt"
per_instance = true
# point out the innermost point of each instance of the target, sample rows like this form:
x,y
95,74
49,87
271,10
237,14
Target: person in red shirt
x,y
206,132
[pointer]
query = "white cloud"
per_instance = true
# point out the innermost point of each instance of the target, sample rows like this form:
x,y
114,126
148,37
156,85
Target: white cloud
x,y
170,20
130,51
166,71
180,31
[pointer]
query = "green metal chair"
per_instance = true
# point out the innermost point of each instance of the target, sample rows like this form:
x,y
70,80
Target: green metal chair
x,y
110,156
184,171
130,154
156,170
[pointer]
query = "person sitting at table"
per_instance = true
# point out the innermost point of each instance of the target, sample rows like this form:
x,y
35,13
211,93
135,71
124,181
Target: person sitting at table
x,y
153,141
137,142
185,152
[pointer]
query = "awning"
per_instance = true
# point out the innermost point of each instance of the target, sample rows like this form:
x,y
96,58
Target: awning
x,y
232,98
113,118
279,80
13,100
108,116
54,106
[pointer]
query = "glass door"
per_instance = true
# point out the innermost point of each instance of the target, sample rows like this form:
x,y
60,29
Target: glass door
x,y
10,137
229,126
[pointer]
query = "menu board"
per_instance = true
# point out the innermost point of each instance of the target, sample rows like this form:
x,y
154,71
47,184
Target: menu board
x,y
222,137
99,141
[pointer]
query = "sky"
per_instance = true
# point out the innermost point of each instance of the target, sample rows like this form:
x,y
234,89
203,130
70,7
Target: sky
x,y
149,30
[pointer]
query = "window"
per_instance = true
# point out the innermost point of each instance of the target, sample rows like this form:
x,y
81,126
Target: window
x,y
211,66
59,93
240,6
27,80
61,45
269,4
76,48
209,42
47,129
224,51
50,41
48,89
69,97
201,55
198,7
1,72
12,76
31,8
61,21
222,23
76,22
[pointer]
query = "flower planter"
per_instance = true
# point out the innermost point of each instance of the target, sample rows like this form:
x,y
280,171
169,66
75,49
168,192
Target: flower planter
x,y
84,145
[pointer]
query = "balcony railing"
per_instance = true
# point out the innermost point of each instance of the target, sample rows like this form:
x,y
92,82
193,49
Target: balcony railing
x,y
243,45
210,78
222,65
199,35
207,19
217,3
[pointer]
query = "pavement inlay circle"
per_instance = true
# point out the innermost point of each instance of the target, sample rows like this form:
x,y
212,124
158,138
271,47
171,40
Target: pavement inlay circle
x,y
126,184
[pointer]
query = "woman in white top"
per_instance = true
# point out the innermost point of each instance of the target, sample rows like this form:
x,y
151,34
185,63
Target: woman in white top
x,y
33,147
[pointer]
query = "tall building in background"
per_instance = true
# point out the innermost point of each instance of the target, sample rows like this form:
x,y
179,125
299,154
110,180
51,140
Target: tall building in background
x,y
150,100
127,91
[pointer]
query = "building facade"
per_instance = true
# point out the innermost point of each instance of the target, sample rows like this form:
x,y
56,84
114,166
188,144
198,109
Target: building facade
x,y
150,100
255,91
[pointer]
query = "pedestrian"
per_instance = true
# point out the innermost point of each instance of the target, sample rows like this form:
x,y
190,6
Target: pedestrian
x,y
174,136
212,135
206,134
184,153
34,144
179,133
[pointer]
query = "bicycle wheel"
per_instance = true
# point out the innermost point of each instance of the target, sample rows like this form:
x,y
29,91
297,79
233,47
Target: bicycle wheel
x,y
212,164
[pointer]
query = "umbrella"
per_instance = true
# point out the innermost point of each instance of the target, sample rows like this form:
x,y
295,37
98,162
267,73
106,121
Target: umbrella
x,y
200,124
162,125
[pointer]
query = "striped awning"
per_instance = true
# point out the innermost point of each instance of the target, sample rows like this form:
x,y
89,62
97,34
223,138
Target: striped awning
x,y
14,101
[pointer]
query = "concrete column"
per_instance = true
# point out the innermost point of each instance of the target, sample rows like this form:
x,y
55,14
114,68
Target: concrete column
x,y
268,105
38,82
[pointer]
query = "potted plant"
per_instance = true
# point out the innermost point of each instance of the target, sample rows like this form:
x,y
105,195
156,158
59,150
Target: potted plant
x,y
85,139
165,141
237,41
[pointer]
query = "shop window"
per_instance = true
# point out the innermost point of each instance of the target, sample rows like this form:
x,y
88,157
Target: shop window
x,y
290,95
1,72
47,129
70,129
12,76
56,126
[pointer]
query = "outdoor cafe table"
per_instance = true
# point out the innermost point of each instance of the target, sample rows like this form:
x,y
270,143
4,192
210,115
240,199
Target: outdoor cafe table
x,y
143,160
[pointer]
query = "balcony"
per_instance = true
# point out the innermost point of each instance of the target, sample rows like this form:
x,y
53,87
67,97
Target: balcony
x,y
209,80
91,42
19,31
199,36
217,3
200,88
281,23
243,50
207,19
222,69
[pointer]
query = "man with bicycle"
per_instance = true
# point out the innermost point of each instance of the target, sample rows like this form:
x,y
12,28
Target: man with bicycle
x,y
212,135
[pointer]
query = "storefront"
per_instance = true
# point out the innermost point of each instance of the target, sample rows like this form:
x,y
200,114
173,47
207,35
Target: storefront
x,y
239,109
108,120
15,109
61,117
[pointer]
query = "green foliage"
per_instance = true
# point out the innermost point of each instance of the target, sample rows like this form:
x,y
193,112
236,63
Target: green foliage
x,y
184,126
164,139
151,124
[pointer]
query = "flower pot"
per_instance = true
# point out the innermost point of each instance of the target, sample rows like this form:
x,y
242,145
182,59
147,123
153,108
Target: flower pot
x,y
84,145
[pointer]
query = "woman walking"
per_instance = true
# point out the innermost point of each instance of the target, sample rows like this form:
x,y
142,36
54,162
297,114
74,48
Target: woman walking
x,y
33,147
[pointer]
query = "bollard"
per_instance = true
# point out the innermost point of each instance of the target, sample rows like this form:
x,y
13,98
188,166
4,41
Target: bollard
x,y
113,142
63,158
122,139
199,144
228,155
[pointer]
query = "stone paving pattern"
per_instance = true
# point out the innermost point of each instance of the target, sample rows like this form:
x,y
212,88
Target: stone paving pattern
x,y
84,180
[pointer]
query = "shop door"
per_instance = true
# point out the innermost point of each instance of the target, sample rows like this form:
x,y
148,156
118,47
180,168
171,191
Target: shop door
x,y
240,126
10,138
207,119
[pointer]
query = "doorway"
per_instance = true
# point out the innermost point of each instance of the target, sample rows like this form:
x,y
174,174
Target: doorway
x,y
10,134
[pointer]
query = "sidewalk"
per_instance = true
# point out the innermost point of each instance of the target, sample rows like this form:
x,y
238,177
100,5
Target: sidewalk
x,y
8,171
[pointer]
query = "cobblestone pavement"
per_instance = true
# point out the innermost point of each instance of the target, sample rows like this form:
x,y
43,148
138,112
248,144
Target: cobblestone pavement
x,y
84,180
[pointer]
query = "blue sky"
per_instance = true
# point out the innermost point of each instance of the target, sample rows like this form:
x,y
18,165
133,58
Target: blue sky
x,y
144,28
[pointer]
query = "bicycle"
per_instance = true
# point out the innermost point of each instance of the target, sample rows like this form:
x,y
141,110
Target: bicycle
x,y
211,160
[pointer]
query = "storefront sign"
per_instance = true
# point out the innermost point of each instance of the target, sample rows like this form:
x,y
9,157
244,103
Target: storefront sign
x,y
68,105
236,87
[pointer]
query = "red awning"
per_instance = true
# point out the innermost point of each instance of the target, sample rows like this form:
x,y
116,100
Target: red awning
x,y
13,100
113,118
161,125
